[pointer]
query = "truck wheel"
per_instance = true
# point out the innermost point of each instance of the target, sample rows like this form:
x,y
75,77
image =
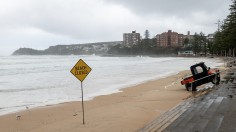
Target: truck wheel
x,y
194,87
216,79
188,87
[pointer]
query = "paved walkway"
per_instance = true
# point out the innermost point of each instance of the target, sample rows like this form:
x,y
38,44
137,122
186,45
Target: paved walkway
x,y
214,111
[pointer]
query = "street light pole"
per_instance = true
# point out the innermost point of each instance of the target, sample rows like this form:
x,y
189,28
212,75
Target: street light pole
x,y
218,23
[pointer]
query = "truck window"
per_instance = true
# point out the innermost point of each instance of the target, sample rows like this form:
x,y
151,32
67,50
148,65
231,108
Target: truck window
x,y
199,69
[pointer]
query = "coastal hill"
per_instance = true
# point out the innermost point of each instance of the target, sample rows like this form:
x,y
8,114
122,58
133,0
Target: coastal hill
x,y
100,48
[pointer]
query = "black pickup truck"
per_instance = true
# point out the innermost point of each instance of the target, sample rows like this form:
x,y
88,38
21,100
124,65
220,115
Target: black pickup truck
x,y
201,75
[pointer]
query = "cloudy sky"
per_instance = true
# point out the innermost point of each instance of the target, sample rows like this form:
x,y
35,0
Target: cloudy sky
x,y
42,23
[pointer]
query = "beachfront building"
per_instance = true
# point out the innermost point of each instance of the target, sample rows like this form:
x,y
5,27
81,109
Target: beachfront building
x,y
130,39
169,39
210,37
190,39
186,53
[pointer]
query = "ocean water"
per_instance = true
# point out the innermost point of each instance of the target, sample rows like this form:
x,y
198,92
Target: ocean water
x,y
34,81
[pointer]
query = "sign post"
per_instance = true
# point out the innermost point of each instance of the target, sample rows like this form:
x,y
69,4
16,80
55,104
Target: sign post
x,y
82,93
80,71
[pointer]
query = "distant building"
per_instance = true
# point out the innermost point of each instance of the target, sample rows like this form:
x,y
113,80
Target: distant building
x,y
130,39
169,39
189,37
210,37
186,53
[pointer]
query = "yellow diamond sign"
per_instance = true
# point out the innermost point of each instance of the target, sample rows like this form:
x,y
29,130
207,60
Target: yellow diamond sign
x,y
80,70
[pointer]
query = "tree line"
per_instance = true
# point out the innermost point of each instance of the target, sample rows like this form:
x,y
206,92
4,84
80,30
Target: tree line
x,y
225,38
199,44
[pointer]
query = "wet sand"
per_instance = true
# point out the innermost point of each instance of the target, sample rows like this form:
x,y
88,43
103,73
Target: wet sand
x,y
125,111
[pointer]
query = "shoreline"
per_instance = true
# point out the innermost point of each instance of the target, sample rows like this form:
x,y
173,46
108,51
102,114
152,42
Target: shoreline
x,y
127,110
107,91
118,90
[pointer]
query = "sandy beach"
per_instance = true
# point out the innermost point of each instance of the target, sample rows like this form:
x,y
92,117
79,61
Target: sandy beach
x,y
125,111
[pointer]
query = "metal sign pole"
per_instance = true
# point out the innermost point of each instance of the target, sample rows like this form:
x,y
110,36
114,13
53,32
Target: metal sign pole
x,y
80,71
82,100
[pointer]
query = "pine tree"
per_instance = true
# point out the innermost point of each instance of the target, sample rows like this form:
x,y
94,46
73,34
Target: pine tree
x,y
145,41
229,28
196,45
225,39
203,43
186,42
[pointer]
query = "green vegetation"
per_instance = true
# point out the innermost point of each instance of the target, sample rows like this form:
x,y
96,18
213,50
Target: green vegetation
x,y
186,42
225,41
143,49
199,43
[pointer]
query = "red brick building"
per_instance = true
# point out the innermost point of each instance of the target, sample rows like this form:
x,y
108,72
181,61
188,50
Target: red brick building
x,y
169,39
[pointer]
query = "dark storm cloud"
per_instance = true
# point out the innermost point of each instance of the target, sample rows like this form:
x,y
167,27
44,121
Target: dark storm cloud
x,y
181,8
179,15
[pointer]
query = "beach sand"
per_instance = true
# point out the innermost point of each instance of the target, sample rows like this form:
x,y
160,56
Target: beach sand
x,y
125,111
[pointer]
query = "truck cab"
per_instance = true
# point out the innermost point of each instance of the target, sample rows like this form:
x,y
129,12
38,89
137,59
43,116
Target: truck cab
x,y
201,74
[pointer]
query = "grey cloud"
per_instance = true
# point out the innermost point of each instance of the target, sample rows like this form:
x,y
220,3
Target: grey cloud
x,y
172,7
49,22
84,20
195,15
79,21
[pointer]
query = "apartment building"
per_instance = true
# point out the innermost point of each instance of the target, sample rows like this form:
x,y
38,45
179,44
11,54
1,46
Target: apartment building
x,y
130,39
169,39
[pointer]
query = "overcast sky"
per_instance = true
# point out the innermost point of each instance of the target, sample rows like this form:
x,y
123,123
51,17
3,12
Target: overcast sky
x,y
39,24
